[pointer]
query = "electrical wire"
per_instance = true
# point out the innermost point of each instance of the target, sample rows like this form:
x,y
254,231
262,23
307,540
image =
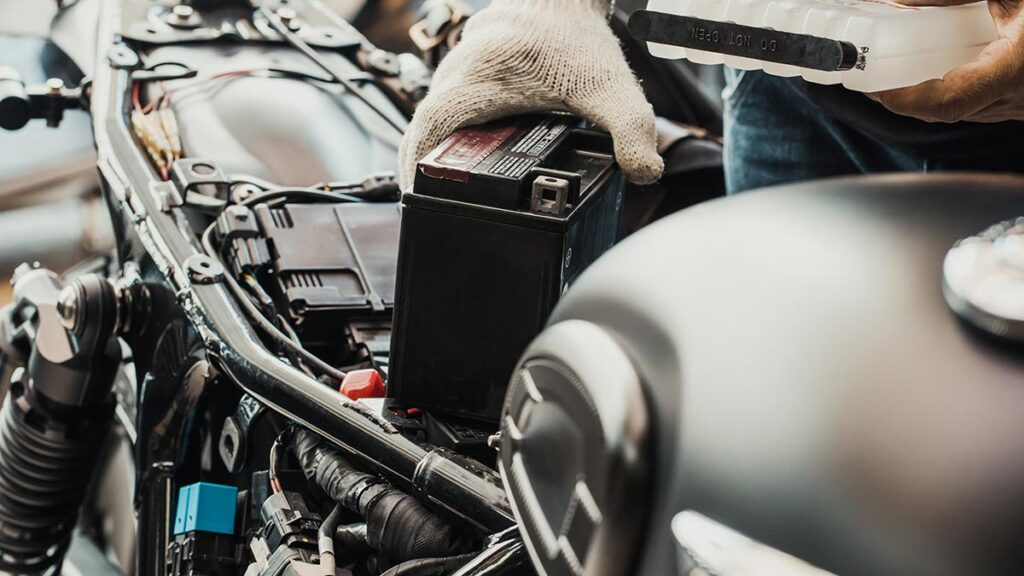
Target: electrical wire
x,y
300,45
300,193
260,320
287,329
275,451
430,566
165,99
266,302
135,97
325,540
365,191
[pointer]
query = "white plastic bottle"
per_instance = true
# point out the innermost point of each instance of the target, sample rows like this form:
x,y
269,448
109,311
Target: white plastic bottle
x,y
893,45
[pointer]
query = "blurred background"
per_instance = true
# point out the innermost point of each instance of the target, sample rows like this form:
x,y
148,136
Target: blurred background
x,y
50,210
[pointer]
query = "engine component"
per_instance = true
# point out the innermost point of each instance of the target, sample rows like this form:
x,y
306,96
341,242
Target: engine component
x,y
983,279
360,384
466,437
204,528
331,263
56,415
501,220
397,525
289,522
234,435
206,507
287,545
201,554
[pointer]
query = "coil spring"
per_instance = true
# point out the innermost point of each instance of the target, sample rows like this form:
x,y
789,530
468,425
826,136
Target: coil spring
x,y
45,468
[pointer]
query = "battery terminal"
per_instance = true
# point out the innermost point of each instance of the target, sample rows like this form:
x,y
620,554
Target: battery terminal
x,y
549,195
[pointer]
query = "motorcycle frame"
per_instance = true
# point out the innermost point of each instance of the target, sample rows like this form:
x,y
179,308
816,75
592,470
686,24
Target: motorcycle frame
x,y
158,239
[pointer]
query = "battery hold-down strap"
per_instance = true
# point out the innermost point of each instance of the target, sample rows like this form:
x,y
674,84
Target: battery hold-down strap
x,y
800,50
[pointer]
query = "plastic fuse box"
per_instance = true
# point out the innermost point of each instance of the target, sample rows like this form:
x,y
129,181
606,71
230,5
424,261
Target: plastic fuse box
x,y
866,45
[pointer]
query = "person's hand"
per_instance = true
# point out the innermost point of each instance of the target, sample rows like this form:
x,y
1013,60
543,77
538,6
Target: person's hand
x,y
990,89
518,56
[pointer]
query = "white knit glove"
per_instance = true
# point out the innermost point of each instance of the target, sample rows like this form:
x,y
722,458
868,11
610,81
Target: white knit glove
x,y
518,56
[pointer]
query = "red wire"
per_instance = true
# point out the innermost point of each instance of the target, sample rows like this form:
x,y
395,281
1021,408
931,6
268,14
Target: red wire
x,y
135,97
165,99
229,74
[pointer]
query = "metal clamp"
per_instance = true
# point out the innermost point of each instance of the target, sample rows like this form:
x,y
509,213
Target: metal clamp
x,y
437,32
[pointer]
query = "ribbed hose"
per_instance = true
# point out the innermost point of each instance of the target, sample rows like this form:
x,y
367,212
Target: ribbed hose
x,y
398,525
45,469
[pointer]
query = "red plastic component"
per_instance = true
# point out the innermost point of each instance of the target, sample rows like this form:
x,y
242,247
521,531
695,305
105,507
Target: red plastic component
x,y
363,384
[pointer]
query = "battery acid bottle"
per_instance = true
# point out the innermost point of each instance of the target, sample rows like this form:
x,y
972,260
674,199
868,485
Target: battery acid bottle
x,y
501,219
866,45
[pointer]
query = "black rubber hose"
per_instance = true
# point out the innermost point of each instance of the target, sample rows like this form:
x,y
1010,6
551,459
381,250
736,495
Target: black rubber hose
x,y
397,525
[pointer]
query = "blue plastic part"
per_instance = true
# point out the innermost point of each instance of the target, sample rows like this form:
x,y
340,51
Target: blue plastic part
x,y
206,507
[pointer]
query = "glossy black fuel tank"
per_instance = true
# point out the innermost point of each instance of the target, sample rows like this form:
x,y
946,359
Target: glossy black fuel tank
x,y
808,385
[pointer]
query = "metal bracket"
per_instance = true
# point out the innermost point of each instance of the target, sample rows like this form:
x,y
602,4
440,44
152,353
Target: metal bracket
x,y
200,183
173,22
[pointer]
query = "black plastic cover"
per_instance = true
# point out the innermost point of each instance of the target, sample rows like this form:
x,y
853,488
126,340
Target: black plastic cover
x,y
331,263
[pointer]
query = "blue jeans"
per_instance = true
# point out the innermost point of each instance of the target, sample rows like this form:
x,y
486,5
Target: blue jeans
x,y
775,135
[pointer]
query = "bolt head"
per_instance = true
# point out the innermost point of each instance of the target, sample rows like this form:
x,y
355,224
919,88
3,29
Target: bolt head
x,y
55,85
67,307
183,11
286,14
23,269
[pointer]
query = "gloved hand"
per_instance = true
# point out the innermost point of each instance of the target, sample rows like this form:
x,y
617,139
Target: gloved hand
x,y
990,89
518,56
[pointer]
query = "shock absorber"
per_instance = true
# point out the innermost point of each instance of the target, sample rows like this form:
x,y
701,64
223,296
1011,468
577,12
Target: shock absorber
x,y
57,412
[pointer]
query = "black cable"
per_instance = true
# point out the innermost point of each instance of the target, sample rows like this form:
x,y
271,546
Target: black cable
x,y
298,193
325,540
306,49
370,190
430,566
261,321
287,329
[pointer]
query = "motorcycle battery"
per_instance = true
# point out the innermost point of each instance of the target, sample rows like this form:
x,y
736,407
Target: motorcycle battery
x,y
500,221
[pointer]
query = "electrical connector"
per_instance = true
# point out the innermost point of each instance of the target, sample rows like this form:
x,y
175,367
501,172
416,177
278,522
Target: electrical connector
x,y
149,131
169,123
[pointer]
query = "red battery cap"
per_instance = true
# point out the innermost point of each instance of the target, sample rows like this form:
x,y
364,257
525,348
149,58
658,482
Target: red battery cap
x,y
362,384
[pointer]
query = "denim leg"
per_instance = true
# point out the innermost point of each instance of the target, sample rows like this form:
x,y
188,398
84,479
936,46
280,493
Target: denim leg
x,y
775,135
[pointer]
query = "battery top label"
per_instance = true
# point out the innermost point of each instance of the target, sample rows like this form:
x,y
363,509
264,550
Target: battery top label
x,y
456,158
528,152
483,150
